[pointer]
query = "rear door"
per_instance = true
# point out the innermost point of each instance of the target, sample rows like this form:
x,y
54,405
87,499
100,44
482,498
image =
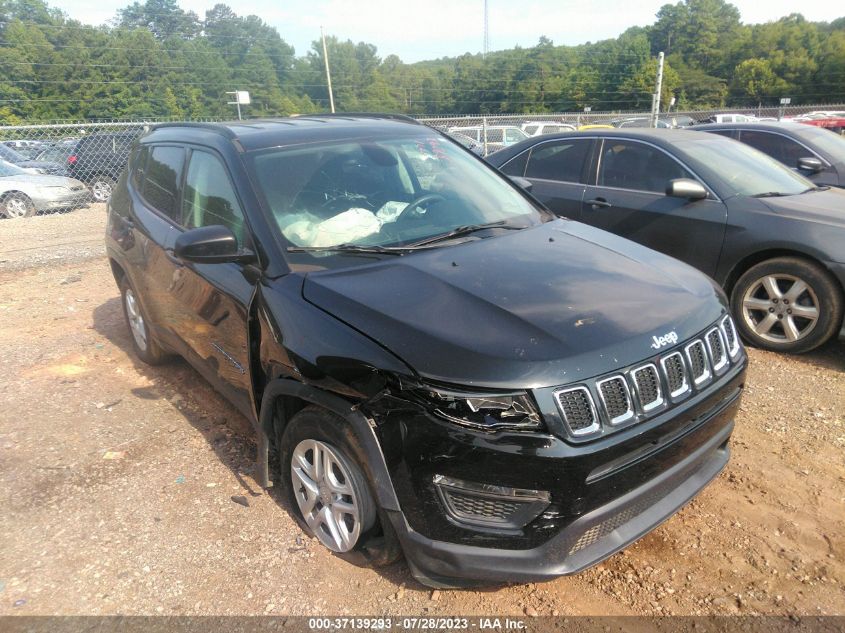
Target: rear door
x,y
212,300
629,199
557,170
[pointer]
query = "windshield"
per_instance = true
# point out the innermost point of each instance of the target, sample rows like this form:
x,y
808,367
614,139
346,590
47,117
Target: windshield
x,y
10,155
745,170
379,193
7,169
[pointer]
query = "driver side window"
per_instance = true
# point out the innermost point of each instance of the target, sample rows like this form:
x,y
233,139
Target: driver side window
x,y
209,197
637,166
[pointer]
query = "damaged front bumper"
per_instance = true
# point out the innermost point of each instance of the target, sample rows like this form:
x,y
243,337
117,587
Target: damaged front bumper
x,y
550,508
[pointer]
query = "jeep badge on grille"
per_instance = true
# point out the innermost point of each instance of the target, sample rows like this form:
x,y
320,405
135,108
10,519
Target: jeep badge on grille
x,y
666,339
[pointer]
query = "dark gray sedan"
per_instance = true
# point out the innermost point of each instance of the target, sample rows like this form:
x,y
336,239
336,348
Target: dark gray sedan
x,y
815,152
774,240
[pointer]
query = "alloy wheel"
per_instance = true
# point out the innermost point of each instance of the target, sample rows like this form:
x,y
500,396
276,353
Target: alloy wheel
x,y
15,208
136,320
322,484
780,308
101,190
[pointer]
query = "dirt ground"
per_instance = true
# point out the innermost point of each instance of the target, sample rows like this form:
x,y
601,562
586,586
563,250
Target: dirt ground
x,y
116,483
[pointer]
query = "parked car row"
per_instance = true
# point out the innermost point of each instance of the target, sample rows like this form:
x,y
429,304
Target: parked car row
x,y
774,240
95,159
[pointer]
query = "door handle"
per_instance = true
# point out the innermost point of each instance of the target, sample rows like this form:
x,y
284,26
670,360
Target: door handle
x,y
598,202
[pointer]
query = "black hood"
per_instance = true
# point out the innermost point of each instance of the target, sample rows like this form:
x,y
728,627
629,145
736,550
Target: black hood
x,y
534,308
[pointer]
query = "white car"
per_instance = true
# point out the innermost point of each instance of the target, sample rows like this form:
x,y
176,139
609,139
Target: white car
x,y
731,118
538,128
498,136
23,194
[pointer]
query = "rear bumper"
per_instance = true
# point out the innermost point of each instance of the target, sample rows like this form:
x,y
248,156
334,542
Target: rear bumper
x,y
586,541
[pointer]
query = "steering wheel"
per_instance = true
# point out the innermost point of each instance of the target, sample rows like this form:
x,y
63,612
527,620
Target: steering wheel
x,y
418,202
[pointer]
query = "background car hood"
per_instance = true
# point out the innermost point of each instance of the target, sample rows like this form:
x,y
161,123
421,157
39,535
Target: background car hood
x,y
31,181
534,308
821,206
47,166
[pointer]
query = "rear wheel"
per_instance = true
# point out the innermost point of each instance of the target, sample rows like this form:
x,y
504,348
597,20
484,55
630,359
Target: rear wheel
x,y
101,188
145,346
17,205
787,304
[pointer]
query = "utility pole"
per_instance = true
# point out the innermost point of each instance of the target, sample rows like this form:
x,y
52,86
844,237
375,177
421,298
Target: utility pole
x,y
486,30
328,73
655,104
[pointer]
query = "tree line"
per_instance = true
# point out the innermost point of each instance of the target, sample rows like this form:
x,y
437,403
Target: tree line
x,y
157,60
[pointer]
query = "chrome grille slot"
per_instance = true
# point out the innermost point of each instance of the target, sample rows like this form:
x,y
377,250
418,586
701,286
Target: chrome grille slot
x,y
729,332
676,375
697,357
616,399
578,410
647,381
716,347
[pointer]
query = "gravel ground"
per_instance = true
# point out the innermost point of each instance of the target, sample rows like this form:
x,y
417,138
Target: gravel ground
x,y
116,483
55,238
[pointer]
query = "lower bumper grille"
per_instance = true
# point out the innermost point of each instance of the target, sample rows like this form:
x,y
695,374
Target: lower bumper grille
x,y
484,507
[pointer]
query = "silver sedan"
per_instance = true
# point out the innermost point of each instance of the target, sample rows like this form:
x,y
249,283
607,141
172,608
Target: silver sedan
x,y
23,194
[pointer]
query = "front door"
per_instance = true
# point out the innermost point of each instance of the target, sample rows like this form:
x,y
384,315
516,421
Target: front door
x,y
214,299
629,199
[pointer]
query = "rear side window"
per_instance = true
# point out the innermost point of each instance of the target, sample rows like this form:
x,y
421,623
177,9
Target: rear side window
x,y
637,166
209,196
138,166
778,147
560,160
727,133
163,174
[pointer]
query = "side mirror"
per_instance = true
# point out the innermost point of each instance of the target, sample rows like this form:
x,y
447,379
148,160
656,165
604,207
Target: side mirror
x,y
523,183
211,245
686,188
810,164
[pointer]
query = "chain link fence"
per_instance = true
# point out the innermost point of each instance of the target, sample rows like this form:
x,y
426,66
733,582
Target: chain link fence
x,y
65,166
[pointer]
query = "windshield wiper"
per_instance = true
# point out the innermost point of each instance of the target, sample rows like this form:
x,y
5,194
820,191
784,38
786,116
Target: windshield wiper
x,y
821,188
348,248
771,194
465,230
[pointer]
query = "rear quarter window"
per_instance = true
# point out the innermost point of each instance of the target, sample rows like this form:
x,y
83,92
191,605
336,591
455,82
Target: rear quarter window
x,y
163,175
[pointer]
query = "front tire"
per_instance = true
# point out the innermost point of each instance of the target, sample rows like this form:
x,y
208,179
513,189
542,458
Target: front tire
x,y
787,304
17,205
328,489
145,346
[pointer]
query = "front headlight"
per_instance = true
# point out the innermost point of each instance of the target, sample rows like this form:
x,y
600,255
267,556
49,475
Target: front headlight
x,y
491,412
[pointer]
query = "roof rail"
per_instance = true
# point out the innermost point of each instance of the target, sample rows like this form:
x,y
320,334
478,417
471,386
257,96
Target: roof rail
x,y
215,127
359,115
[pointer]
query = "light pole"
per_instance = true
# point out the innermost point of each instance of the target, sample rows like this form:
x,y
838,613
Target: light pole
x,y
241,97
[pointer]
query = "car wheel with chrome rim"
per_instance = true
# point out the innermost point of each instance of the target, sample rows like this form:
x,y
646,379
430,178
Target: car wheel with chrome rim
x,y
329,490
17,205
145,346
787,304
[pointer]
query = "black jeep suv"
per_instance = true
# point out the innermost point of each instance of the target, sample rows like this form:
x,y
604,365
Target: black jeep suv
x,y
442,367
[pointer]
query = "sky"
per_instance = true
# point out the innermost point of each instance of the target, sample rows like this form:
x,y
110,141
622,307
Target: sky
x,y
427,29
